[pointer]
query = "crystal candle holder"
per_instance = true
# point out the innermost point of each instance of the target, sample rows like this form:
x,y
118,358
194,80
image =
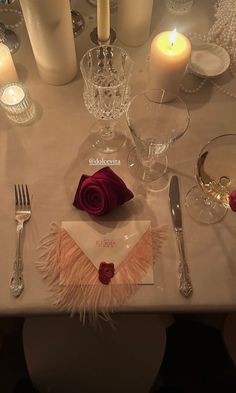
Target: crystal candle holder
x,y
17,103
179,7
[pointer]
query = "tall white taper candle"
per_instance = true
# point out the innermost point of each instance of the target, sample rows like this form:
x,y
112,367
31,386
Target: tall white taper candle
x,y
103,20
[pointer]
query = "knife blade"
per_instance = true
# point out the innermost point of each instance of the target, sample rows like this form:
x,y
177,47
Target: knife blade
x,y
185,284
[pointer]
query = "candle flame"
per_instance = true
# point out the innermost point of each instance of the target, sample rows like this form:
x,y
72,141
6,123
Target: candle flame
x,y
173,35
11,92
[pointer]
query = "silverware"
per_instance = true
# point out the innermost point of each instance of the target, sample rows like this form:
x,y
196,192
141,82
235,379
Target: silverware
x,y
185,285
22,214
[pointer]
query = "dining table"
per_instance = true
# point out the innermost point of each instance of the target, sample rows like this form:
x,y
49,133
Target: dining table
x,y
51,154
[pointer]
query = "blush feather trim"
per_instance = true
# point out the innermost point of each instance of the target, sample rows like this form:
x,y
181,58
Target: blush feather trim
x,y
74,281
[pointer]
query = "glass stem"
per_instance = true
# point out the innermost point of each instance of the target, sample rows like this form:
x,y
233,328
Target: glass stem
x,y
107,131
208,201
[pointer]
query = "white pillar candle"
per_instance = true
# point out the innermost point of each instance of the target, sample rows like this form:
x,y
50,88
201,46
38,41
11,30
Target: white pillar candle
x,y
133,21
169,56
50,31
103,20
7,68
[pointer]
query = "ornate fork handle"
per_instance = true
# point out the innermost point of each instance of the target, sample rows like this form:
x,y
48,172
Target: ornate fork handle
x,y
185,284
17,282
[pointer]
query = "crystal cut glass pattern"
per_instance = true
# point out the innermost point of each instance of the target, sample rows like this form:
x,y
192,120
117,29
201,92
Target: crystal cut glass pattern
x,y
106,71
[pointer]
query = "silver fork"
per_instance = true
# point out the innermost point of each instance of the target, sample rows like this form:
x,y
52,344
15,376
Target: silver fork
x,y
22,214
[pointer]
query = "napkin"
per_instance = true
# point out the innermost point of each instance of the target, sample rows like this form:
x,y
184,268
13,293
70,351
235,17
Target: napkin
x,y
93,267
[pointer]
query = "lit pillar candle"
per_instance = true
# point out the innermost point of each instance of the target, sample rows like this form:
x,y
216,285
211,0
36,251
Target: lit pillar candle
x,y
133,21
169,56
103,20
7,68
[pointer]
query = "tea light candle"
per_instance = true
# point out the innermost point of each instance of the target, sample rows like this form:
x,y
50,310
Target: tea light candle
x,y
7,68
17,103
169,57
103,20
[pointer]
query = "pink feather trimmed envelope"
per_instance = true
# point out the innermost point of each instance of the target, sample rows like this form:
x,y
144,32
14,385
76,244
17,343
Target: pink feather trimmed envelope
x,y
94,267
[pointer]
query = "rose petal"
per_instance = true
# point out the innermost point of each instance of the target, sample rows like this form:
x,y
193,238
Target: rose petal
x,y
114,182
76,201
88,195
232,200
104,280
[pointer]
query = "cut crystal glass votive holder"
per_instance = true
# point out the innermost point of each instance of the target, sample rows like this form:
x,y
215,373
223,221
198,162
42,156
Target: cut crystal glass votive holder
x,y
17,103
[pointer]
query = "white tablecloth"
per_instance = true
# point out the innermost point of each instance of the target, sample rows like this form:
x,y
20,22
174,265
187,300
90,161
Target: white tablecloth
x,y
51,154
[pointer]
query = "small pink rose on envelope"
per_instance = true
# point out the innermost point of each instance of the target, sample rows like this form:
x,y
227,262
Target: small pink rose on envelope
x,y
101,192
232,200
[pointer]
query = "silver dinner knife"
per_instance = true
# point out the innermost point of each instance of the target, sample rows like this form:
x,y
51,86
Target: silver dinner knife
x,y
185,284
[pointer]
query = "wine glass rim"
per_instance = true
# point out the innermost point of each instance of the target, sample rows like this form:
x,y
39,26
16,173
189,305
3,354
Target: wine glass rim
x,y
95,49
205,146
215,138
175,96
212,140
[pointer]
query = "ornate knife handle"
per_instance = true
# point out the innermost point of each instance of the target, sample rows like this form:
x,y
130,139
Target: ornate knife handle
x,y
185,284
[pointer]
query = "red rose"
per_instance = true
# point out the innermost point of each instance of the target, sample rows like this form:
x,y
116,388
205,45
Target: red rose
x,y
100,193
106,272
232,200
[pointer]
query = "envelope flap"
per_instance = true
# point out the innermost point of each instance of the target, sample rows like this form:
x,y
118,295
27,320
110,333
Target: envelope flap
x,y
110,242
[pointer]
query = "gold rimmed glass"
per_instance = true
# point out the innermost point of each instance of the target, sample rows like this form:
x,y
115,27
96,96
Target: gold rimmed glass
x,y
208,202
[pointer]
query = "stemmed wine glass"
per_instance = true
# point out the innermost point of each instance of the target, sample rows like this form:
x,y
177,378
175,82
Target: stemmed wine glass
x,y
106,71
216,176
156,119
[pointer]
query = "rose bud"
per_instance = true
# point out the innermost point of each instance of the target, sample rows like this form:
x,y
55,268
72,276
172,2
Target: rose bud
x,y
106,272
101,192
232,200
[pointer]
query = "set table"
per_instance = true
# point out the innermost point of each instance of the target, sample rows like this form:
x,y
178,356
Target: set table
x,y
51,154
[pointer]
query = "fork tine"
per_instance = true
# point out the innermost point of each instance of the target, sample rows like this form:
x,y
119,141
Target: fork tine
x,y
27,195
23,194
16,195
19,193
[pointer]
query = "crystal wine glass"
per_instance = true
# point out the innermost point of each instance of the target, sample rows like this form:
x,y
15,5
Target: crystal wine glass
x,y
106,71
156,119
216,176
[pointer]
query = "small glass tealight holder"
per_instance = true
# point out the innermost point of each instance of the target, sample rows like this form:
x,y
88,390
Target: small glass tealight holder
x,y
17,103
